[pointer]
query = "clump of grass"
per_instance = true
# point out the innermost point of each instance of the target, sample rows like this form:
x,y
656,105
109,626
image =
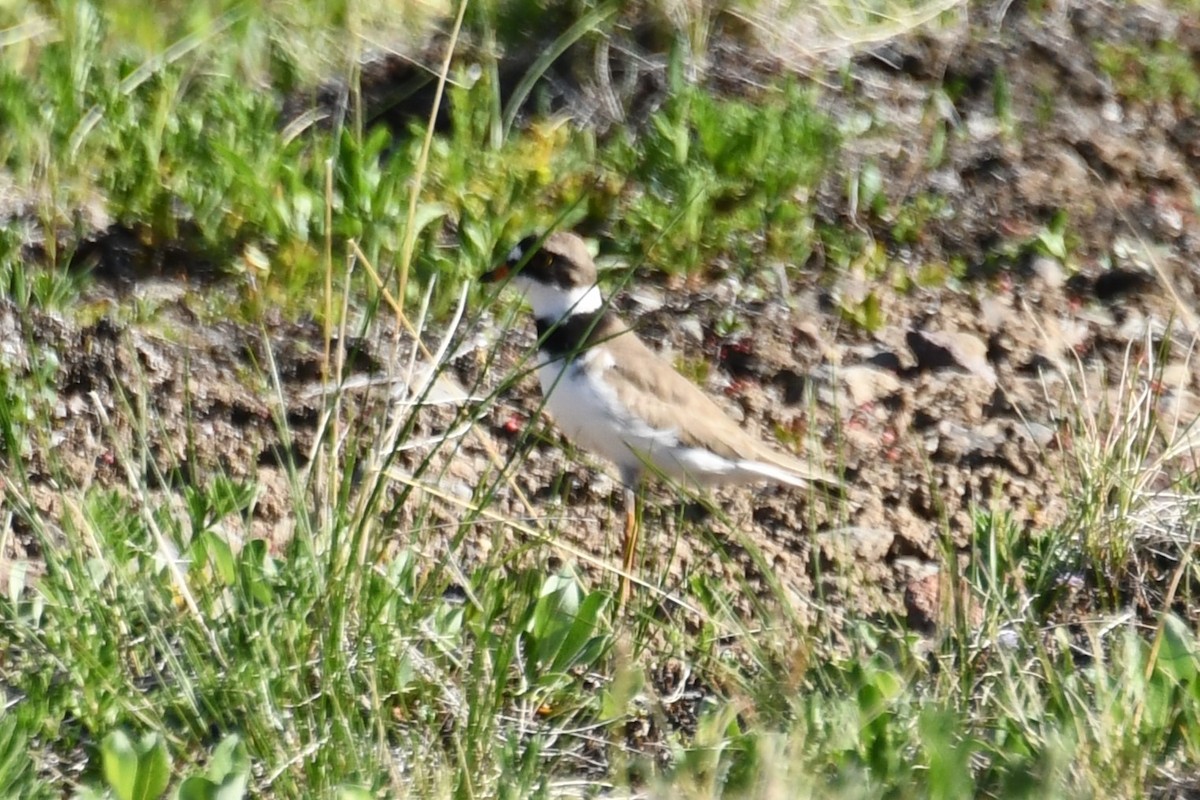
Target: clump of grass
x,y
1136,505
725,178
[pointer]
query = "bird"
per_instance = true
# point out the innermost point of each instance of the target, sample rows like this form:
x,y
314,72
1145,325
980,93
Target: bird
x,y
610,393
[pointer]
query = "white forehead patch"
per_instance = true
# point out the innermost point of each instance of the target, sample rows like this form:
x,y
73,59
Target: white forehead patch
x,y
515,254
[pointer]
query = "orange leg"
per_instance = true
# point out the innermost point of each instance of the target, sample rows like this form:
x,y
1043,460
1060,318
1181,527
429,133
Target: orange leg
x,y
628,545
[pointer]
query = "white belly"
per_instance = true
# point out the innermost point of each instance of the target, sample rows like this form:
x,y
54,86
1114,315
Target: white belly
x,y
590,413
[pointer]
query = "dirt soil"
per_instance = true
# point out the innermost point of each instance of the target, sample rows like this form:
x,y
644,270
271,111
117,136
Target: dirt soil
x,y
968,394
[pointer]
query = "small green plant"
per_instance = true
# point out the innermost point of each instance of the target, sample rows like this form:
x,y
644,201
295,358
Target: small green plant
x,y
1051,240
910,219
18,777
563,633
135,770
722,174
1164,73
226,776
694,369
867,313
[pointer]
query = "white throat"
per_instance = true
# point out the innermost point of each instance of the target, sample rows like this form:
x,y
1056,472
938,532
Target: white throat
x,y
555,302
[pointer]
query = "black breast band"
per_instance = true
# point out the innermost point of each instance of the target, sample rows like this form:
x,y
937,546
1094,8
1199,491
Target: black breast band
x,y
573,334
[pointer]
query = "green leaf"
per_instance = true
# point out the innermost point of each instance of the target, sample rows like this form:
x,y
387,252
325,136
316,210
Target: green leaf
x,y
226,777
256,571
1053,237
120,764
1177,651
868,314
554,617
586,23
197,788
354,793
219,554
135,771
581,632
948,758
427,213
16,581
16,766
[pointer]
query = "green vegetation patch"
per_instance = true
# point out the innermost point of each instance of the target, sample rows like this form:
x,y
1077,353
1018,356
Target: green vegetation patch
x,y
169,126
721,177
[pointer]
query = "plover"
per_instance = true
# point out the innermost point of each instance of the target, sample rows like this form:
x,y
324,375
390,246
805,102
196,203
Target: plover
x,y
611,394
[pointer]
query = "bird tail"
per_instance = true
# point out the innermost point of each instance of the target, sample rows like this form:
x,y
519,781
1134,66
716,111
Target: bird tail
x,y
790,471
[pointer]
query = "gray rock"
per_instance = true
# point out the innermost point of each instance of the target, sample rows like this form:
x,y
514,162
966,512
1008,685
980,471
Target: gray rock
x,y
936,350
